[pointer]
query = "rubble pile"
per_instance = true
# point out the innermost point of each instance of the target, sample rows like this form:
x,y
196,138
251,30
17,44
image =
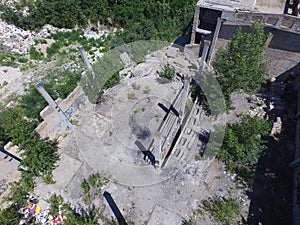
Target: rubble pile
x,y
33,214
16,40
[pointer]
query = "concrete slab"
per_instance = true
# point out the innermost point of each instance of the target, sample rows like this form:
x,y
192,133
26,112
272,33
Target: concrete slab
x,y
68,166
162,216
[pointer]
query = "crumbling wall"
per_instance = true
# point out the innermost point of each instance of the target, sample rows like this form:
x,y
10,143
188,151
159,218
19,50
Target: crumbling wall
x,y
53,126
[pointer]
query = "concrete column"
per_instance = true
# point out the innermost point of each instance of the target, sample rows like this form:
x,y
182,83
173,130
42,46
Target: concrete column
x,y
204,54
196,23
157,138
86,61
186,87
279,22
53,104
214,40
295,25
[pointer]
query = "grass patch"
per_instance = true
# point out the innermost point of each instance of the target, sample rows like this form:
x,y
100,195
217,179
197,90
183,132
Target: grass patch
x,y
147,90
131,96
136,86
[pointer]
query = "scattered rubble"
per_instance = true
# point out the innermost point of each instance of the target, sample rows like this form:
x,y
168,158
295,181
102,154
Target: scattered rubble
x,y
17,40
32,213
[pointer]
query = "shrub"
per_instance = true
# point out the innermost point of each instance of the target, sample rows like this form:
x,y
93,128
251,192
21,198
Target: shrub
x,y
168,73
243,144
136,86
131,96
225,211
34,54
146,90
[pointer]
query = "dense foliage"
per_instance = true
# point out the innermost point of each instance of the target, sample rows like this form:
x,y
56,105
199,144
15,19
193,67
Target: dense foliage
x,y
38,155
240,65
141,19
225,211
243,144
8,216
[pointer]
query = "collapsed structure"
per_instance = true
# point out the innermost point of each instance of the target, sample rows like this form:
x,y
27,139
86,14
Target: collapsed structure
x,y
211,21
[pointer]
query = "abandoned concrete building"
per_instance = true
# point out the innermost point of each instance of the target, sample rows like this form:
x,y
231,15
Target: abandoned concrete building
x,y
214,23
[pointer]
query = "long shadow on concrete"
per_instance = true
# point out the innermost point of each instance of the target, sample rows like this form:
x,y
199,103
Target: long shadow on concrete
x,y
114,208
147,154
271,195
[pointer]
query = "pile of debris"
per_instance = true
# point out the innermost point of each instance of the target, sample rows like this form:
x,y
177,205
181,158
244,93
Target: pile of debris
x,y
32,214
17,40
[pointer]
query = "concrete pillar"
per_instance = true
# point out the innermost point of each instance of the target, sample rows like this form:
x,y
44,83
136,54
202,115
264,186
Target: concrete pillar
x,y
186,87
86,61
203,56
53,104
295,25
214,40
269,39
196,23
279,22
157,141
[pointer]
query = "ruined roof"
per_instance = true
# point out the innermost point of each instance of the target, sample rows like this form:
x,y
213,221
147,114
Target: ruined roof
x,y
228,4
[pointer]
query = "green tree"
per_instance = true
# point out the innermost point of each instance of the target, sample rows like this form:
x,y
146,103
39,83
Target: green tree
x,y
38,156
140,19
243,144
241,65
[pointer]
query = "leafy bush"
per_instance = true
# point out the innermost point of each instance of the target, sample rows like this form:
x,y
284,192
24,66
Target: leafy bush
x,y
168,73
34,54
131,96
243,144
9,59
225,211
9,215
54,48
38,156
136,86
93,185
89,216
147,90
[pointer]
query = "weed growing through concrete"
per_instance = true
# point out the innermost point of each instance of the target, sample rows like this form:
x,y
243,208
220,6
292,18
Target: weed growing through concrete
x,y
157,116
147,90
131,96
136,86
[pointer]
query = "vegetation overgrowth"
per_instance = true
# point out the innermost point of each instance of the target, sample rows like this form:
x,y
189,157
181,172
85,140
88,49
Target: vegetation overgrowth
x,y
241,66
243,145
139,19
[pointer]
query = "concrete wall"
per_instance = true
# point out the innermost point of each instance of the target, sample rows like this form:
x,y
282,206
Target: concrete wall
x,y
53,126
